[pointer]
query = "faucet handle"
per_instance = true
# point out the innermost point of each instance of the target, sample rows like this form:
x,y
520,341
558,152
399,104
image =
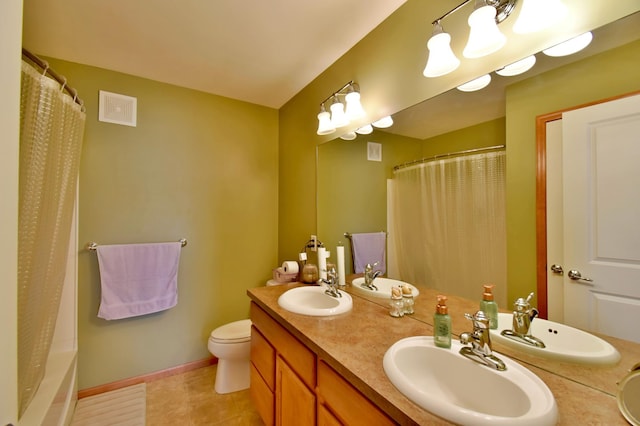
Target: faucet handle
x,y
479,319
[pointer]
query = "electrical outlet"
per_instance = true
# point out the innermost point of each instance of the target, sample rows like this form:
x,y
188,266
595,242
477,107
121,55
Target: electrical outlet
x,y
314,242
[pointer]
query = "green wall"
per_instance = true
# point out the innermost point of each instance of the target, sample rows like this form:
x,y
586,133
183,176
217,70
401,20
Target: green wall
x,y
602,76
197,166
352,191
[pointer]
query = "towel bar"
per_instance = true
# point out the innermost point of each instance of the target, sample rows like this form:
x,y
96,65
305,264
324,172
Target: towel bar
x,y
94,246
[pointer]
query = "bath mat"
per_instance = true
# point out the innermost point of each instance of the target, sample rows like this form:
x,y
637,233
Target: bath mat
x,y
126,406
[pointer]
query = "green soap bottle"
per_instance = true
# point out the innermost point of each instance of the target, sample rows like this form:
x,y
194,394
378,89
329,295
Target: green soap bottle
x,y
489,306
442,324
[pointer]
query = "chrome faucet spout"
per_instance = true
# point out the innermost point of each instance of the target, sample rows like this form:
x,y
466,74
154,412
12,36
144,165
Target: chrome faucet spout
x,y
332,282
480,339
523,316
369,276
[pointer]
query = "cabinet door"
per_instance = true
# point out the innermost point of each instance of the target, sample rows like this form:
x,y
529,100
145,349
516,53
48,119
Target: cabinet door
x,y
346,402
295,403
325,418
262,397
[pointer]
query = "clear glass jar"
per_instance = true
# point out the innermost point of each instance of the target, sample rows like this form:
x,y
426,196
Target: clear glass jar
x,y
396,307
408,303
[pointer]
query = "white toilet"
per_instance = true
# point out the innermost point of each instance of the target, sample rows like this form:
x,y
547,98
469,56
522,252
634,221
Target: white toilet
x,y
231,344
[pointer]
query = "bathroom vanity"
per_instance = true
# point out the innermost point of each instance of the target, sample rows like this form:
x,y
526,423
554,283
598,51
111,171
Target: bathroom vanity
x,y
328,370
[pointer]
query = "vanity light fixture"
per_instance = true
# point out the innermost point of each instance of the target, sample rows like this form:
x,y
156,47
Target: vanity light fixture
x,y
570,46
484,36
518,67
536,15
475,84
339,117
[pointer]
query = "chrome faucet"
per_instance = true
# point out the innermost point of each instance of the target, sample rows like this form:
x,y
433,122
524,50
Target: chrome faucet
x,y
523,315
480,339
332,283
369,276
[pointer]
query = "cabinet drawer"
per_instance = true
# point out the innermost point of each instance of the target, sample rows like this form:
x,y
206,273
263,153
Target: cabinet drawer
x,y
262,397
296,354
263,357
345,401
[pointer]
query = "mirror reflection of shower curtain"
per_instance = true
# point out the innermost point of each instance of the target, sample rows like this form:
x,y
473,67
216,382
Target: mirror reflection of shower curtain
x,y
449,224
51,132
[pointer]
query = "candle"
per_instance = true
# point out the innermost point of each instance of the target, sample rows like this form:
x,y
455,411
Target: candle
x,y
341,272
322,262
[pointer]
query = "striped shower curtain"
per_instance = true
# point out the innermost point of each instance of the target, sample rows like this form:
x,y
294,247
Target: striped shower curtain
x,y
51,133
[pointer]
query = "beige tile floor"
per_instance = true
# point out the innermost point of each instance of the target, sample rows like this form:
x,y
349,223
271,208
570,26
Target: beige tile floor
x,y
189,399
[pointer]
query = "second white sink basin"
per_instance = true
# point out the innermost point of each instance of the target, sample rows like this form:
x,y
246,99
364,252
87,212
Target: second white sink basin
x,y
313,301
462,391
384,286
563,343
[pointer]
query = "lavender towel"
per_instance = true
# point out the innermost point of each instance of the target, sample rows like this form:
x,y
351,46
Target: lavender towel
x,y
138,279
369,248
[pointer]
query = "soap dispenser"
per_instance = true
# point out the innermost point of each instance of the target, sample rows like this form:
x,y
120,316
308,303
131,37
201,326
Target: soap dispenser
x,y
489,306
442,324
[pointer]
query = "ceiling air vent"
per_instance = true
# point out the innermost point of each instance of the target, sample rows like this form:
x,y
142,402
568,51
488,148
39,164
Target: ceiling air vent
x,y
117,109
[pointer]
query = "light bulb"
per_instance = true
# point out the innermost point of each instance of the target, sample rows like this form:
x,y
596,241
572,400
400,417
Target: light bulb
x,y
441,59
484,35
349,136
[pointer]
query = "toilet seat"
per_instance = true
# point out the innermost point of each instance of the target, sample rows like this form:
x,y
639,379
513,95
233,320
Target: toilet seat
x,y
234,332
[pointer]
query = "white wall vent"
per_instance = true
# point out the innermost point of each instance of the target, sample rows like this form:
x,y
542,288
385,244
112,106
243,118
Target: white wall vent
x,y
118,109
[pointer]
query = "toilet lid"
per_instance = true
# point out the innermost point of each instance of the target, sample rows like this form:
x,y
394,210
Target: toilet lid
x,y
234,332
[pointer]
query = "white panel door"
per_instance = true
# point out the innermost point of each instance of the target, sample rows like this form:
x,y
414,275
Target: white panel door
x,y
601,179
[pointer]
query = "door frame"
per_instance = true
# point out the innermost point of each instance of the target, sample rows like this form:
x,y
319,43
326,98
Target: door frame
x,y
541,195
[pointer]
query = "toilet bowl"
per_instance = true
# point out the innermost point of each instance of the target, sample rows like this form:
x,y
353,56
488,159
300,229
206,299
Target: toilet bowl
x,y
231,344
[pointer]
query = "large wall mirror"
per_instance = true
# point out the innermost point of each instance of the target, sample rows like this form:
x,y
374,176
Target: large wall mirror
x,y
352,190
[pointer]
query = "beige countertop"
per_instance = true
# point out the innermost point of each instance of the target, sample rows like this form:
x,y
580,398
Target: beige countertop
x,y
354,344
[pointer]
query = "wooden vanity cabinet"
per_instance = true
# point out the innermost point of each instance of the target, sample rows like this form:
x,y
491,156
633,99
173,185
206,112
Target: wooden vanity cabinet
x,y
283,373
290,386
339,403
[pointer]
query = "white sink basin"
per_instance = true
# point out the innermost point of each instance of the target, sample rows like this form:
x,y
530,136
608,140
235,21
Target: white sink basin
x,y
563,343
462,391
313,301
384,287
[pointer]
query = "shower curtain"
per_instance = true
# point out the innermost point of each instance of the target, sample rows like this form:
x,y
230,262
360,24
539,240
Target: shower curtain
x,y
51,132
449,224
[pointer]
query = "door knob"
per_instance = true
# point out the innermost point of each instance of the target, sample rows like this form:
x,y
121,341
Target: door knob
x,y
577,276
557,269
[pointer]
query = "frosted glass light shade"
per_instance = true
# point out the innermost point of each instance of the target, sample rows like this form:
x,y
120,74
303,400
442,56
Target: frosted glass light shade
x,y
324,123
354,107
349,136
441,59
338,116
476,84
570,46
536,15
484,35
365,130
518,67
384,122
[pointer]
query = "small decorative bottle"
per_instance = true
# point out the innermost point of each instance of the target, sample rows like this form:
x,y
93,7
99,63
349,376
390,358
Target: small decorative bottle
x,y
442,324
407,299
489,306
396,304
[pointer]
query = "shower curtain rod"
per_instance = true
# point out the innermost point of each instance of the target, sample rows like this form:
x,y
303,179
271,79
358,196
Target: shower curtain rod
x,y
60,79
449,154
